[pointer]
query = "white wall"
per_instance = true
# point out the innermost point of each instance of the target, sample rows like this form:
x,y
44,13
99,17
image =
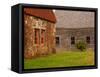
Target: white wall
x,y
5,40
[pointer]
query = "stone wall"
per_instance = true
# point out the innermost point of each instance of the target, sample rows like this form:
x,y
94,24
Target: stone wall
x,y
31,49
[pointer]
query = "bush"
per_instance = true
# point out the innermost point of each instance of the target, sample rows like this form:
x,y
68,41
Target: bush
x,y
81,45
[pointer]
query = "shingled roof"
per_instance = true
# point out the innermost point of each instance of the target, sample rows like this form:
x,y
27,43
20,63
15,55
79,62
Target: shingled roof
x,y
46,14
74,19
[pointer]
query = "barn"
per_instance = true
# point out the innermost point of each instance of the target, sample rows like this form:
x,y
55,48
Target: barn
x,y
74,26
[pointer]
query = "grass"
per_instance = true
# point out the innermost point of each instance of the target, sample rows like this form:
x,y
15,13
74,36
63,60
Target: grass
x,y
62,59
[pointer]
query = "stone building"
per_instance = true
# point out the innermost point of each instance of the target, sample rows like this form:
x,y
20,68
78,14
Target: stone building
x,y
73,26
39,32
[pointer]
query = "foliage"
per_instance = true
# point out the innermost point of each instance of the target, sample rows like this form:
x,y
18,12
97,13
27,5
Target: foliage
x,y
81,45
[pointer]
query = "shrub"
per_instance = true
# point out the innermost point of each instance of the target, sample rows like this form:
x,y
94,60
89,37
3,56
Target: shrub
x,y
81,45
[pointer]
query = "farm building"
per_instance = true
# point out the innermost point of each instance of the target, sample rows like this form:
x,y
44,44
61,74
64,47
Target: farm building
x,y
39,32
74,26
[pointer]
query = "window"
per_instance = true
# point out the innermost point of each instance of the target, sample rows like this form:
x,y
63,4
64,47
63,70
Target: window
x,y
72,40
57,41
42,36
39,33
88,39
39,36
36,35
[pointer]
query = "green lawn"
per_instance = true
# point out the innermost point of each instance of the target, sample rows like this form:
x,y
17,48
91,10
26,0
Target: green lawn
x,y
63,59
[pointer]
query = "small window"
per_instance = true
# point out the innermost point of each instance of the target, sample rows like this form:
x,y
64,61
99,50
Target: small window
x,y
42,36
57,41
88,39
72,40
36,36
39,36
